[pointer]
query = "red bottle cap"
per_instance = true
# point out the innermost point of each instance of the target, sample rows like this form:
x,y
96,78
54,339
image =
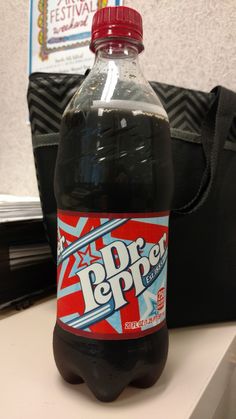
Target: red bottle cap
x,y
117,22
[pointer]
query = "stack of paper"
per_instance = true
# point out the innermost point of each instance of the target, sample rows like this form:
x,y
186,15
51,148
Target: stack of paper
x,y
26,266
16,208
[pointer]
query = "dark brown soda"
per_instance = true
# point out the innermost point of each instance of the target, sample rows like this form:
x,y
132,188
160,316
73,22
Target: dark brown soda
x,y
112,160
108,366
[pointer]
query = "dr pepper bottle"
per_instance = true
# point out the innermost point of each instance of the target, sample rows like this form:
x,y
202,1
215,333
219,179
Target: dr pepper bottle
x,y
113,186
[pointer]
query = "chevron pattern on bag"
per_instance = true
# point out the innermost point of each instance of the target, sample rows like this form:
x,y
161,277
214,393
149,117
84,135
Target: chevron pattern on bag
x,y
49,94
185,108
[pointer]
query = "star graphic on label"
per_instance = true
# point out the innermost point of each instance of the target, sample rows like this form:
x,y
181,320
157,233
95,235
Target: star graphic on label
x,y
86,257
154,309
151,303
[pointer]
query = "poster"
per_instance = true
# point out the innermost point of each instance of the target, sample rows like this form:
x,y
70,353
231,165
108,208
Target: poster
x,y
60,33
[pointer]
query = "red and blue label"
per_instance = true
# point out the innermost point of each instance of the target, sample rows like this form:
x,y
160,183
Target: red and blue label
x,y
112,273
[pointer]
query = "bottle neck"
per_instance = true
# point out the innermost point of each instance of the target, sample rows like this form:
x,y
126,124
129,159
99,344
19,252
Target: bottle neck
x,y
117,50
118,60
116,76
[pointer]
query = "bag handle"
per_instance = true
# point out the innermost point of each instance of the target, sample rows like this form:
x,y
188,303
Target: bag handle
x,y
215,129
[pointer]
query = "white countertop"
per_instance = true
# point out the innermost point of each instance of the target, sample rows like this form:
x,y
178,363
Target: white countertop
x,y
200,366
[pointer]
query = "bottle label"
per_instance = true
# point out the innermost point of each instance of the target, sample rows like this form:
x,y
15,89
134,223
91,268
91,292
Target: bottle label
x,y
112,273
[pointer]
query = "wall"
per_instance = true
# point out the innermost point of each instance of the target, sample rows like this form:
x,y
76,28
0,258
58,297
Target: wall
x,y
190,43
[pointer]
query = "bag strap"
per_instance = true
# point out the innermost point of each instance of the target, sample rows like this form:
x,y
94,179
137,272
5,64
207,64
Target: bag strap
x,y
215,129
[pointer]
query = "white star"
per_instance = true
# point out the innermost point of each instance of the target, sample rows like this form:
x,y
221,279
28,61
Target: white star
x,y
149,298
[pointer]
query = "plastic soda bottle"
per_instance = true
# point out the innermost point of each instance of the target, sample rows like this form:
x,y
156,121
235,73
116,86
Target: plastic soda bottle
x,y
113,186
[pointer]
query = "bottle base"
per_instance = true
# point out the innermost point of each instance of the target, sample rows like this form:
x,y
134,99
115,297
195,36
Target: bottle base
x,y
108,367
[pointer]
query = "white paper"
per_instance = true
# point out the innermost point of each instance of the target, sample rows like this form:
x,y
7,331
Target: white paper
x,y
19,208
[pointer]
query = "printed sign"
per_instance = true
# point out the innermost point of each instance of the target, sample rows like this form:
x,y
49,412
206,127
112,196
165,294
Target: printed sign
x,y
112,273
60,32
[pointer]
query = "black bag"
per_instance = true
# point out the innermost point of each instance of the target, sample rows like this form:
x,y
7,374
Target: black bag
x,y
202,245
